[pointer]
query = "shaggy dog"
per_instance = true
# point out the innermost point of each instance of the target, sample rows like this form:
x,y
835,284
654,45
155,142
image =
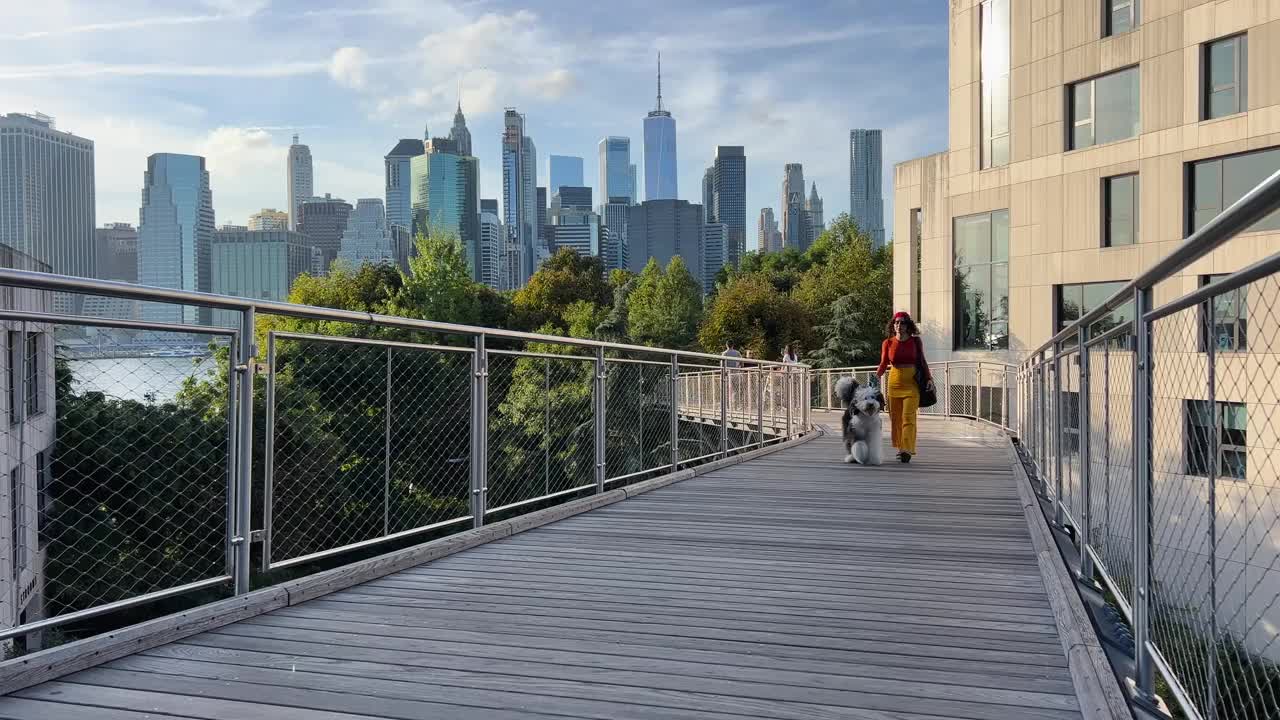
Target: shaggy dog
x,y
860,424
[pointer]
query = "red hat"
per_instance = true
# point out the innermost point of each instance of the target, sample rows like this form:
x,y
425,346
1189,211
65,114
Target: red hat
x,y
901,314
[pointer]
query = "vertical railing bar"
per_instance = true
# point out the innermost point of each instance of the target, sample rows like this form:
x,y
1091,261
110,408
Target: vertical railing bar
x,y
787,398
724,407
546,424
978,391
1106,436
1211,357
244,449
1057,436
233,393
479,431
386,455
20,408
1086,430
269,453
1143,366
640,419
760,372
675,412
600,408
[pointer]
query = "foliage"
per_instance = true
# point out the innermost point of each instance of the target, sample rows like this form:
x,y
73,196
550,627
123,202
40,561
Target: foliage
x,y
563,279
753,315
665,306
848,339
782,269
440,286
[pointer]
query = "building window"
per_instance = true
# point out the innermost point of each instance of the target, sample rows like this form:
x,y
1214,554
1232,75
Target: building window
x,y
917,233
1070,421
1076,301
995,83
1228,325
43,505
1224,78
34,376
1119,16
1120,210
981,247
1104,109
1218,182
12,381
15,521
1231,452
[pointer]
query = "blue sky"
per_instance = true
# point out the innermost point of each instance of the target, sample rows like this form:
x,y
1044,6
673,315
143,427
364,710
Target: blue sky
x,y
232,79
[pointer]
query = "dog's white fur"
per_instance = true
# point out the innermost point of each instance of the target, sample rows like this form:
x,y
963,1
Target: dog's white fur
x,y
860,424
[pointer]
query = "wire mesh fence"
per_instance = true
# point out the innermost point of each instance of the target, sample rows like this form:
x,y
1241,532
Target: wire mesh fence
x,y
147,462
1177,491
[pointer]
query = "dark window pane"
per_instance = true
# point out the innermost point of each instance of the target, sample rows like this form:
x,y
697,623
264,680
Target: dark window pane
x,y
1082,136
1070,304
1082,101
1223,103
1000,291
1233,464
1206,192
1121,233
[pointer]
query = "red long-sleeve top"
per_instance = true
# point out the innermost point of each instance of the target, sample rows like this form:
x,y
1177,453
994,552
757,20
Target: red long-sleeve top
x,y
902,354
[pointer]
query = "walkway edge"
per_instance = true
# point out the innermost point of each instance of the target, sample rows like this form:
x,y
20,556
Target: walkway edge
x,y
53,663
1097,688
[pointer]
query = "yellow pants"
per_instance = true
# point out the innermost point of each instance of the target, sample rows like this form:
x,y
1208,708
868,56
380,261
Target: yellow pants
x,y
904,401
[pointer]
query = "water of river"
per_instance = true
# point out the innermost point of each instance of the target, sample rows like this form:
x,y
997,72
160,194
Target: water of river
x,y
146,379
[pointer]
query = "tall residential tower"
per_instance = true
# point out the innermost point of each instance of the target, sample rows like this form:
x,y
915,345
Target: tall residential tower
x,y
519,200
729,199
866,201
300,179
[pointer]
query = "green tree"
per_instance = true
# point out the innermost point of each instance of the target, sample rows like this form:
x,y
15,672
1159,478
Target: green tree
x,y
665,306
751,313
441,287
563,279
782,269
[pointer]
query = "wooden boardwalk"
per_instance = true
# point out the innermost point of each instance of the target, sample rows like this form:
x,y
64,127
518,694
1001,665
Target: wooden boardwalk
x,y
792,586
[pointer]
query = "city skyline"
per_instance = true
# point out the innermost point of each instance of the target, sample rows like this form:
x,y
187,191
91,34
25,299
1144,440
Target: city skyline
x,y
240,109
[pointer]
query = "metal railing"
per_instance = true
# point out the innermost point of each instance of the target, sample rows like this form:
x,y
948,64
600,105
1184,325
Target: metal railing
x,y
1152,422
298,435
980,390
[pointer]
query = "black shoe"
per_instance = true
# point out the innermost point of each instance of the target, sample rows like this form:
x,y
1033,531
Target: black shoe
x,y
905,457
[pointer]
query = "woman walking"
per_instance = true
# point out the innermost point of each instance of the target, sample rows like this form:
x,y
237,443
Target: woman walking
x,y
902,354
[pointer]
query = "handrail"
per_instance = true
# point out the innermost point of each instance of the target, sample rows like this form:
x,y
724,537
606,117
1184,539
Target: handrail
x,y
113,288
1243,213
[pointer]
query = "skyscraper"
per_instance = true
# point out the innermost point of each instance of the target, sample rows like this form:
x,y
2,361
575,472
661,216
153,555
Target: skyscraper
x,y
709,195
258,264
492,243
544,235
459,133
175,233
715,239
729,199
617,174
616,216
116,246
660,150
797,229
770,237
268,219
814,206
866,201
446,197
519,196
367,239
662,229
323,221
300,179
398,184
47,193
563,170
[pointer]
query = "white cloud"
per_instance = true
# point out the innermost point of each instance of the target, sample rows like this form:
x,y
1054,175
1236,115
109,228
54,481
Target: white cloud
x,y
221,10
89,69
348,67
553,85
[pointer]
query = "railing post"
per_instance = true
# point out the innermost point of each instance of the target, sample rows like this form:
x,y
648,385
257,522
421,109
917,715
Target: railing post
x,y
760,402
1142,481
244,449
386,455
977,390
268,452
600,417
479,431
946,386
724,407
1086,458
675,413
787,398
1211,657
1058,515
826,392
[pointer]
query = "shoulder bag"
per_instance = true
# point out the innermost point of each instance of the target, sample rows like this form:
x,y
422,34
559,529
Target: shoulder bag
x,y
928,395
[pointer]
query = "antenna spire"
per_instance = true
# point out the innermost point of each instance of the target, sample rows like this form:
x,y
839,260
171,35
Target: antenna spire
x,y
659,79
